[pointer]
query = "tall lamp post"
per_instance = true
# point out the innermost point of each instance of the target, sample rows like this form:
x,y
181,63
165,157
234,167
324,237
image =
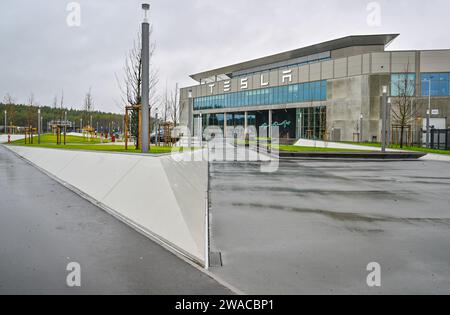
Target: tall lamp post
x,y
145,79
429,113
384,119
39,126
6,130
361,127
65,126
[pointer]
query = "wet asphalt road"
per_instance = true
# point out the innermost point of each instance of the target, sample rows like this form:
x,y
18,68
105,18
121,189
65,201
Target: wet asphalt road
x,y
44,226
314,226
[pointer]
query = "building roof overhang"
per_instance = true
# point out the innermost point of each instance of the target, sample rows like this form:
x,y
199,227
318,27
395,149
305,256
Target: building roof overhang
x,y
349,41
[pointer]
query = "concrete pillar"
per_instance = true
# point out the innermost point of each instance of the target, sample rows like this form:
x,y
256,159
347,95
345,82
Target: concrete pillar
x,y
246,121
270,123
225,123
145,86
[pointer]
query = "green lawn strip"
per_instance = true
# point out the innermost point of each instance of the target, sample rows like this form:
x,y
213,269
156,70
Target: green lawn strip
x,y
405,148
101,148
51,139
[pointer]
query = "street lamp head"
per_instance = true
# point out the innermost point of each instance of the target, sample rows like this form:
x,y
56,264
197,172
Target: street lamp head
x,y
146,8
385,89
190,94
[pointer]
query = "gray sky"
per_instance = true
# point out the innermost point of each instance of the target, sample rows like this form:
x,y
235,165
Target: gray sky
x,y
40,53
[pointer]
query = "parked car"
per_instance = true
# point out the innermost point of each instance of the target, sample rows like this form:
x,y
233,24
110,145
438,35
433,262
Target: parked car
x,y
153,136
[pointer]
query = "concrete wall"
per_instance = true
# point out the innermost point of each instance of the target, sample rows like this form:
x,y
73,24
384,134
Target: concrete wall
x,y
4,138
157,195
347,100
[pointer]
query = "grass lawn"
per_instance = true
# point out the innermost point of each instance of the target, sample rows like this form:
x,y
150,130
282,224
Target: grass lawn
x,y
81,143
51,139
101,147
293,148
406,148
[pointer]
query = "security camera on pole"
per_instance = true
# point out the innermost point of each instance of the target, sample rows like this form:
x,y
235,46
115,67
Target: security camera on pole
x,y
145,79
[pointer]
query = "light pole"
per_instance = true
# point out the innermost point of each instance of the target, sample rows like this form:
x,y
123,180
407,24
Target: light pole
x,y
81,125
39,126
388,121
361,127
190,119
383,119
145,79
429,113
65,126
6,130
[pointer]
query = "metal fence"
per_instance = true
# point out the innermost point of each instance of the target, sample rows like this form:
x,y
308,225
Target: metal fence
x,y
440,139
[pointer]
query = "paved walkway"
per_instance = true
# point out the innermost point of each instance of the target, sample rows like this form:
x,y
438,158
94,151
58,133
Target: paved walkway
x,y
314,226
44,226
337,145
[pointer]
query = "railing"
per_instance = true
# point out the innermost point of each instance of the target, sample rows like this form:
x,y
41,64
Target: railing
x,y
440,139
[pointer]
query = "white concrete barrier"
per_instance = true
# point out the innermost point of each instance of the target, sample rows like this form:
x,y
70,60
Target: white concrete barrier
x,y
4,138
337,145
157,195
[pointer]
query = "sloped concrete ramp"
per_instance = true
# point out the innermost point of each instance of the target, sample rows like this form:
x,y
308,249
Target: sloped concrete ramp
x,y
159,196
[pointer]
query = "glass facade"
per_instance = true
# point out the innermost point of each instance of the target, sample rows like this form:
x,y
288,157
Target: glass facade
x,y
308,123
312,123
296,93
403,84
440,84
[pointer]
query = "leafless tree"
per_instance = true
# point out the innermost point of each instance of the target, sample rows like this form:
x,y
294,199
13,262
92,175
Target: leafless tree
x,y
404,102
88,106
131,83
31,111
9,102
175,106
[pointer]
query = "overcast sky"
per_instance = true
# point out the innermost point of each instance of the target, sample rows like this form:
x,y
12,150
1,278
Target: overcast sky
x,y
40,53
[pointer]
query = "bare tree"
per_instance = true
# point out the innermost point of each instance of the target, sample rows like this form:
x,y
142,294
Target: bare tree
x,y
9,102
165,105
88,106
131,83
175,106
404,102
31,111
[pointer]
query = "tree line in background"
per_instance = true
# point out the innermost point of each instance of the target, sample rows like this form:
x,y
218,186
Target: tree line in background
x,y
166,107
25,115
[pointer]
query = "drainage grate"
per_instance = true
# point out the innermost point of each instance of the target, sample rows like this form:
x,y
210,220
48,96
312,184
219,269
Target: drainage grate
x,y
215,259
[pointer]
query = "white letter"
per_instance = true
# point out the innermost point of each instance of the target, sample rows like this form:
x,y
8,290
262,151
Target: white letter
x,y
374,277
244,83
74,277
287,74
74,17
211,86
262,81
227,86
374,17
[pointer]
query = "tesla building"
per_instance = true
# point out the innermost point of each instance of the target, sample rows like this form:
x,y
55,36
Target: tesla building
x,y
326,91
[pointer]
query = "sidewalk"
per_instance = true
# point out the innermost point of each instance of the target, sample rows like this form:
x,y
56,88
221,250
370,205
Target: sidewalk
x,y
336,145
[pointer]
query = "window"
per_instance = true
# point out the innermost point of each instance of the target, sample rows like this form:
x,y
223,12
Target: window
x,y
288,94
440,85
403,84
